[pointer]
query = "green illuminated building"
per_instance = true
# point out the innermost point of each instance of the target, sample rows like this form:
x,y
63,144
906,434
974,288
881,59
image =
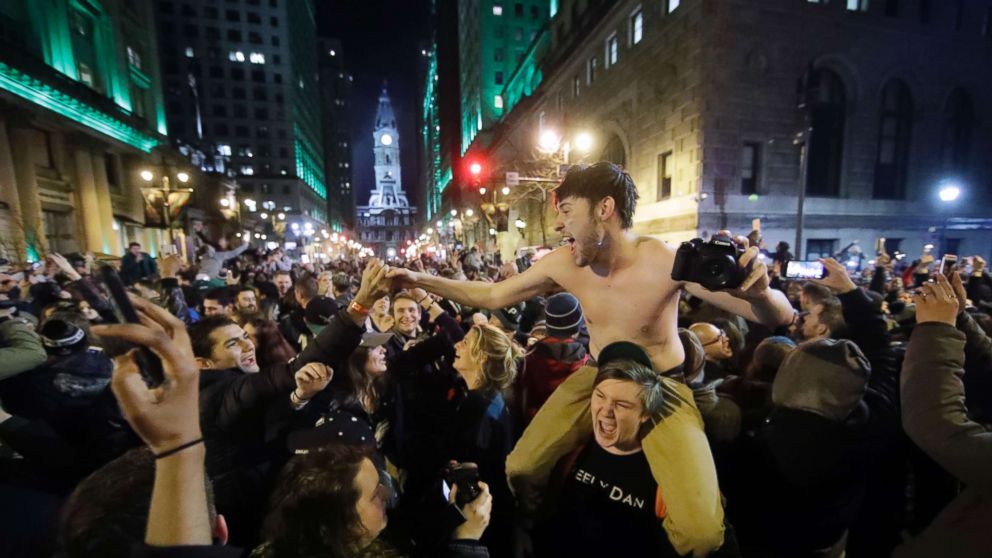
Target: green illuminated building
x,y
436,165
81,109
494,38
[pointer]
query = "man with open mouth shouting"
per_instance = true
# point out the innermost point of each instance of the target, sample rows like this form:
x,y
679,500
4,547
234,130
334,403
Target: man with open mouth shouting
x,y
624,284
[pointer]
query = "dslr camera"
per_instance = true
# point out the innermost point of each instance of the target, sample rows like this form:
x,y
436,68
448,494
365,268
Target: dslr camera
x,y
712,264
466,477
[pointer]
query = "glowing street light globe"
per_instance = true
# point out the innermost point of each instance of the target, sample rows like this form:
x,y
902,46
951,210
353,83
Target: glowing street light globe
x,y
469,212
949,193
224,202
506,190
548,141
454,212
583,142
147,175
183,177
386,139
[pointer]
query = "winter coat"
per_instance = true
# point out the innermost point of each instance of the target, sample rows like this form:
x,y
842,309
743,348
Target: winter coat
x,y
935,416
132,270
21,350
548,364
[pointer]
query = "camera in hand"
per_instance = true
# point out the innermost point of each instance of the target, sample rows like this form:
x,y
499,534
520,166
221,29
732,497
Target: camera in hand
x,y
712,264
466,477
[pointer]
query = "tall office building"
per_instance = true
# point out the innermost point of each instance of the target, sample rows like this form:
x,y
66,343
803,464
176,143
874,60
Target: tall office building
x,y
335,90
493,39
80,112
241,83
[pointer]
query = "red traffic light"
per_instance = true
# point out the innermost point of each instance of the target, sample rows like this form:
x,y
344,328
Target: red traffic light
x,y
475,168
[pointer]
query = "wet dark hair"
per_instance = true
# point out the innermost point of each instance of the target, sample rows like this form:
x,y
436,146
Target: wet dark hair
x,y
313,508
107,512
595,182
221,294
199,334
271,347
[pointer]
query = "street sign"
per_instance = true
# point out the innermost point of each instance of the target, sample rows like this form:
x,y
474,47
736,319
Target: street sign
x,y
513,179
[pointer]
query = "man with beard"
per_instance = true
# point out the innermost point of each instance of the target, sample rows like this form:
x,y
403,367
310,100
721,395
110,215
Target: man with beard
x,y
624,284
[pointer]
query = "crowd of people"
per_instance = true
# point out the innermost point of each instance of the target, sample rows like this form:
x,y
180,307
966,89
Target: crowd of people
x,y
589,405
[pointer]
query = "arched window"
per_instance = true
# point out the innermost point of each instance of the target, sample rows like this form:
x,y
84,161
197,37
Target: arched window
x,y
959,120
613,152
827,107
896,124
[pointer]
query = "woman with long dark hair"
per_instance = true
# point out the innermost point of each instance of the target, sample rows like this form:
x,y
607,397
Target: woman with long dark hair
x,y
271,348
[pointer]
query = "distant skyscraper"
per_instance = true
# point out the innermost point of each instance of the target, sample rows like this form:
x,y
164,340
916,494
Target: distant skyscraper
x,y
388,220
241,83
335,90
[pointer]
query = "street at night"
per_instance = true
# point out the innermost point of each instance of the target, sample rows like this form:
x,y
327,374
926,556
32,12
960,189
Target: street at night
x,y
487,278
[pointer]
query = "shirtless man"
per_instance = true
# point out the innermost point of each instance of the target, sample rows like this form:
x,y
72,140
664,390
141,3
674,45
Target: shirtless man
x,y
624,284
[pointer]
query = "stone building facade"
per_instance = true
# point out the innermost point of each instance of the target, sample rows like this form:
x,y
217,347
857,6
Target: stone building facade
x,y
699,101
81,111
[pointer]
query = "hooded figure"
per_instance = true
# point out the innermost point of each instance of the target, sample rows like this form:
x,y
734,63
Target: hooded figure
x,y
800,476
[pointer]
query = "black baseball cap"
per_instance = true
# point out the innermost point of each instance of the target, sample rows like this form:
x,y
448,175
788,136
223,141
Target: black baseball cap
x,y
624,350
375,339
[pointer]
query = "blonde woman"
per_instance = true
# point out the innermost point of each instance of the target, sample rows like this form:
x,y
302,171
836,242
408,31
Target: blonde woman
x,y
480,430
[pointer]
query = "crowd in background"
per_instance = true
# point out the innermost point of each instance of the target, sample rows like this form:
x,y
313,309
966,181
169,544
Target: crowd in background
x,y
334,407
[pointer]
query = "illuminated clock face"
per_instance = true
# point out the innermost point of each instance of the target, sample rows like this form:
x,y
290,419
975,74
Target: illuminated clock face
x,y
386,139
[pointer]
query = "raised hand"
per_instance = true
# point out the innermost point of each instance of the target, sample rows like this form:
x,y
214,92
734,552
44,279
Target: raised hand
x,y
936,302
837,278
374,283
168,416
64,266
757,282
476,512
402,278
312,379
959,292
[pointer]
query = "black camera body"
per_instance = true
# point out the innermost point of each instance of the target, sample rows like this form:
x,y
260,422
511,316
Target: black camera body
x,y
466,477
712,264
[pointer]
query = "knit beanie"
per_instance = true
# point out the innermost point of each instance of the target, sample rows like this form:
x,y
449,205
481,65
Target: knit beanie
x,y
563,315
827,377
61,337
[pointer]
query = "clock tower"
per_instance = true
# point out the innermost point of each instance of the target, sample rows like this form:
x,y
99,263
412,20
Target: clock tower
x,y
388,222
388,190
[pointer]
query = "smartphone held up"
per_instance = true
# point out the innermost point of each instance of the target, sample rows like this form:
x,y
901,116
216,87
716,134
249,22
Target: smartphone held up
x,y
798,269
124,312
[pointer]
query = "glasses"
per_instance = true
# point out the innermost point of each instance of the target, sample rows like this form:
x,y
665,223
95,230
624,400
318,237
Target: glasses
x,y
721,337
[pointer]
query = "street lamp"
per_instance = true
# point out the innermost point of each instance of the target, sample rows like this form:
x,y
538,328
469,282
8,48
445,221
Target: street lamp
x,y
183,177
147,175
454,212
583,142
224,202
549,141
469,212
506,190
520,224
949,192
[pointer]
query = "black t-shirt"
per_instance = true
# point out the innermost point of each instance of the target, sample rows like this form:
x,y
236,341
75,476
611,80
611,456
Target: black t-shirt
x,y
607,508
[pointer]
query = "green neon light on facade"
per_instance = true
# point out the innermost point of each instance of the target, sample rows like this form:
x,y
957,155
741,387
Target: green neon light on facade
x,y
27,87
308,167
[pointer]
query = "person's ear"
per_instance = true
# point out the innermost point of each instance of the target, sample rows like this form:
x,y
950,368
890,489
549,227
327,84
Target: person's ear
x,y
220,530
607,206
645,418
204,363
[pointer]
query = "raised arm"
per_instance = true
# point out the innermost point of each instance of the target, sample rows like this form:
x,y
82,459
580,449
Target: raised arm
x,y
754,300
536,280
934,413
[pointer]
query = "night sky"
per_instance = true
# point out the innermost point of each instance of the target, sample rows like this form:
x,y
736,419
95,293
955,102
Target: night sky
x,y
382,40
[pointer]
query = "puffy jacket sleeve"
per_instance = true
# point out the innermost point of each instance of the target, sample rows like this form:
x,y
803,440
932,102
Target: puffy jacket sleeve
x,y
934,414
24,350
249,392
978,346
332,345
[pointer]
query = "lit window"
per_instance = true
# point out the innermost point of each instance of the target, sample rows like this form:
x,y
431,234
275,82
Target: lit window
x,y
612,50
673,5
332,52
134,58
636,27
857,5
236,56
591,70
498,101
256,58
497,10
224,149
247,170
189,52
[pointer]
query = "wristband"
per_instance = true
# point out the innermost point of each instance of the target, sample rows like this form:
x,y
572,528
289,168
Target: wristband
x,y
296,399
178,449
358,308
